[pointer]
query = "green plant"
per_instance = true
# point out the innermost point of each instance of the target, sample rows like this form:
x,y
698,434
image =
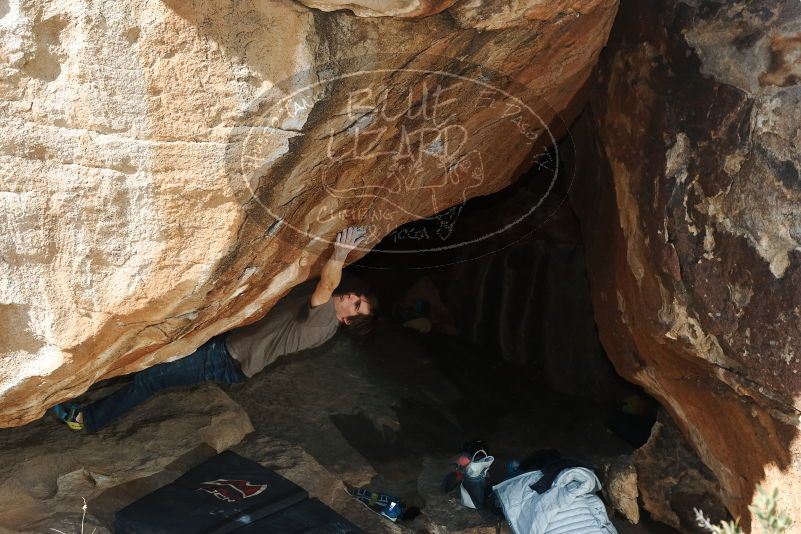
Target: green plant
x,y
765,510
725,527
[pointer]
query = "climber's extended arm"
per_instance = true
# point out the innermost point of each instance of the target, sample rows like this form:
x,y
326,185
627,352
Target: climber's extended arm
x,y
347,240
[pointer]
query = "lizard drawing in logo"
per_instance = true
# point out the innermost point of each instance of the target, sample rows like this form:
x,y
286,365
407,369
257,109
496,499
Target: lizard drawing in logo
x,y
232,490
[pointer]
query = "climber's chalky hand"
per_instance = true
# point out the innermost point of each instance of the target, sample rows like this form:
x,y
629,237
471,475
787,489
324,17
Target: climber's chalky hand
x,y
348,239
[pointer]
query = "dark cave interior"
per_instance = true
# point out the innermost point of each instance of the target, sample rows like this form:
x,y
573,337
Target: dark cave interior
x,y
507,320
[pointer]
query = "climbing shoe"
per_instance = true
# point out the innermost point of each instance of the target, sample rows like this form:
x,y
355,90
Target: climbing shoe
x,y
67,413
384,505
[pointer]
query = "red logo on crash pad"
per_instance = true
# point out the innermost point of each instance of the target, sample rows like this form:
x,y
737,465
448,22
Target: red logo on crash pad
x,y
232,490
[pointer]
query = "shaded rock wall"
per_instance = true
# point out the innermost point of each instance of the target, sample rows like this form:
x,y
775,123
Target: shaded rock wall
x,y
525,297
530,304
522,295
169,169
672,481
690,210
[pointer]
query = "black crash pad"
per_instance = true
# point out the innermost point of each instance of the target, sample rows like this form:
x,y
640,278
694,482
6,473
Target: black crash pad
x,y
223,494
305,517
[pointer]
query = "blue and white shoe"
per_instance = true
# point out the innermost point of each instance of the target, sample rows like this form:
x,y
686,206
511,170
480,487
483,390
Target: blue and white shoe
x,y
380,503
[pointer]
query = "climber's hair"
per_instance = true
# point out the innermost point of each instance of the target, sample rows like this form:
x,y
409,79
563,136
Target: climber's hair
x,y
360,324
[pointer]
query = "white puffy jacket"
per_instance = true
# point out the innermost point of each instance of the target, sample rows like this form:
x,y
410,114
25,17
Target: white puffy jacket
x,y
570,506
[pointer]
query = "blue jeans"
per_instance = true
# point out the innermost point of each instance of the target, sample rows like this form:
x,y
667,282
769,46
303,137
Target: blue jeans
x,y
210,362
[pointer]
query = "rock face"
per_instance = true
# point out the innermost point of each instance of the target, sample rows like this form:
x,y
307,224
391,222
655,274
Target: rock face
x,y
170,169
672,480
524,296
382,8
692,228
619,478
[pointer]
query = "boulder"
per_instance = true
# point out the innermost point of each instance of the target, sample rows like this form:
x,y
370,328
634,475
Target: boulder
x,y
619,480
690,202
170,169
672,481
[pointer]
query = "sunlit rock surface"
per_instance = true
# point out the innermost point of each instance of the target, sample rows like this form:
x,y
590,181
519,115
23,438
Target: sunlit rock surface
x,y
170,168
693,240
619,479
383,8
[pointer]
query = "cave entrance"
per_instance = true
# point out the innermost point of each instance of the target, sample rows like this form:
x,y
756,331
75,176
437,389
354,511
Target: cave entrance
x,y
493,342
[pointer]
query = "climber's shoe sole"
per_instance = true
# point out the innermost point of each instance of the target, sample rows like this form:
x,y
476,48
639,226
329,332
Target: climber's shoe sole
x,y
67,413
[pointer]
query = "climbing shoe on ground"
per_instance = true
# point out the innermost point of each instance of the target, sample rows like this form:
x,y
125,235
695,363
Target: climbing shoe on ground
x,y
384,505
67,413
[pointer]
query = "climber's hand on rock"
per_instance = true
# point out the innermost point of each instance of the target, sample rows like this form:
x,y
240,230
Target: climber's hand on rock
x,y
348,239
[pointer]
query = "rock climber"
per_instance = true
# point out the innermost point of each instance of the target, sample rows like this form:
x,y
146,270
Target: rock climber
x,y
294,324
